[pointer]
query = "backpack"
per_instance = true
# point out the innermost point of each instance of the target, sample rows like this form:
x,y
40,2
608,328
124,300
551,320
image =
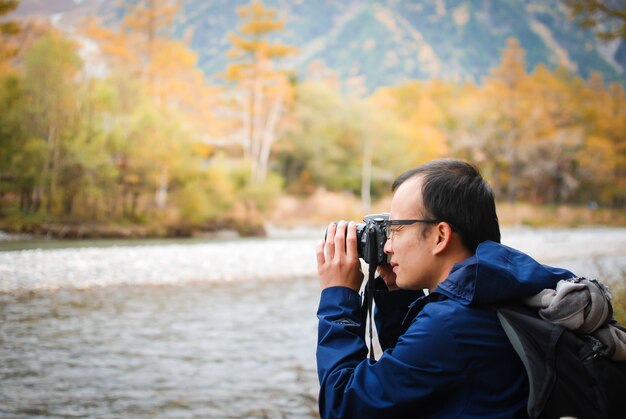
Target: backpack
x,y
568,374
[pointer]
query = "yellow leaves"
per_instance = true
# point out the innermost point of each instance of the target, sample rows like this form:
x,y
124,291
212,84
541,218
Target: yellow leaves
x,y
115,46
278,50
598,157
256,11
173,54
428,143
241,46
202,150
415,106
139,37
166,69
259,27
257,49
252,43
512,69
149,16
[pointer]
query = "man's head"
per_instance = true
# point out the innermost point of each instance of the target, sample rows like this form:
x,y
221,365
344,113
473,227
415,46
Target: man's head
x,y
460,211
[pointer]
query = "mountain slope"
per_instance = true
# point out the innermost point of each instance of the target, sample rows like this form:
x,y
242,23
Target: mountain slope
x,y
385,42
376,43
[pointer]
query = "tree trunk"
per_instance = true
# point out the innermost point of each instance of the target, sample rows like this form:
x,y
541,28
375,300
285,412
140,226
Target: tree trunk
x,y
366,175
257,123
161,193
268,139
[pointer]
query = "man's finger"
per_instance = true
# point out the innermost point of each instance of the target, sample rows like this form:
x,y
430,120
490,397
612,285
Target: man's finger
x,y
329,247
320,253
351,250
340,239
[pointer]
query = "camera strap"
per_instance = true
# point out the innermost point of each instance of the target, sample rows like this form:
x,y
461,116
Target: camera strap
x,y
369,302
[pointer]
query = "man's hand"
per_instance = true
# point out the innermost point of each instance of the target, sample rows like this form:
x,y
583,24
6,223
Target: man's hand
x,y
387,274
337,258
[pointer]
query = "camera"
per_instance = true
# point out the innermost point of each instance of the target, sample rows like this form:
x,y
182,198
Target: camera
x,y
371,239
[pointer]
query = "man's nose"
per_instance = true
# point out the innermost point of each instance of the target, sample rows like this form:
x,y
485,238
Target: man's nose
x,y
388,248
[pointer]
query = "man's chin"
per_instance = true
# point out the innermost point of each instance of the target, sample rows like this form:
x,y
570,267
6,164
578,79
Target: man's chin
x,y
406,286
401,284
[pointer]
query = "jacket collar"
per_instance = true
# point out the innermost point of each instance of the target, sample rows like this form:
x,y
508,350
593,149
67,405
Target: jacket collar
x,y
497,273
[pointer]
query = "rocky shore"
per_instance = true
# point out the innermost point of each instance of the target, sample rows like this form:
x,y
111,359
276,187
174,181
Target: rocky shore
x,y
285,253
61,231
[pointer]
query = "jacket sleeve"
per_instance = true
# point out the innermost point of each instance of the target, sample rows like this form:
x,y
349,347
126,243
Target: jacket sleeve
x,y
404,378
391,309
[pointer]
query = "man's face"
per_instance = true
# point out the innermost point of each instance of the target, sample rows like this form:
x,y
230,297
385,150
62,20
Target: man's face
x,y
411,254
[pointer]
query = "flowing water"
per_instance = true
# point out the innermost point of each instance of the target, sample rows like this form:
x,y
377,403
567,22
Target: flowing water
x,y
201,350
206,329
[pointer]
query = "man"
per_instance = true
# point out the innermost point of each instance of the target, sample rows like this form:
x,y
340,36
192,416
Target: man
x,y
446,354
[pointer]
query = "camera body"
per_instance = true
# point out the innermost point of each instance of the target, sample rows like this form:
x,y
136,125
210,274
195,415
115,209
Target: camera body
x,y
371,239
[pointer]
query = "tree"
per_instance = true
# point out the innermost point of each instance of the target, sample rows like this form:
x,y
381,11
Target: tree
x,y
13,136
606,17
602,158
508,84
323,145
262,90
142,31
50,77
405,125
147,22
166,68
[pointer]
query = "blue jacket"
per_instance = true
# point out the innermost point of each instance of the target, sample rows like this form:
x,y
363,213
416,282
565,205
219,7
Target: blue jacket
x,y
450,357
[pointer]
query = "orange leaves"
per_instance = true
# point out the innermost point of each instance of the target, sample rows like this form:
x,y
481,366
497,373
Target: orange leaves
x,y
115,46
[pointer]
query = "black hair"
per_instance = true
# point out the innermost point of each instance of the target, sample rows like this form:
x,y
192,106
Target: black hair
x,y
455,192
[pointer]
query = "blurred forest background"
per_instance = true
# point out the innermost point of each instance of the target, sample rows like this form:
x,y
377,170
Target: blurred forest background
x,y
162,117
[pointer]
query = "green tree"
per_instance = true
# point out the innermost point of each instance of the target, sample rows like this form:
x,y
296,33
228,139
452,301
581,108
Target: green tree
x,y
51,68
14,143
166,69
342,142
88,173
322,147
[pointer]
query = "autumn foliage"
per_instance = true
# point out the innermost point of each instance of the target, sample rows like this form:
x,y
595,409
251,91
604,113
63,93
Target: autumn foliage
x,y
132,131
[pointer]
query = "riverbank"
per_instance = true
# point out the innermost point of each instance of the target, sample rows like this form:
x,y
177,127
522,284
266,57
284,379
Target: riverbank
x,y
108,230
594,252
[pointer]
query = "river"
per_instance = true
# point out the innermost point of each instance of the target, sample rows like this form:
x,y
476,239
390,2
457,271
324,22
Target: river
x,y
191,329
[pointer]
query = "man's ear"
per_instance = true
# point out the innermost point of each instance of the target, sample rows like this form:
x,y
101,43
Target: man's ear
x,y
442,237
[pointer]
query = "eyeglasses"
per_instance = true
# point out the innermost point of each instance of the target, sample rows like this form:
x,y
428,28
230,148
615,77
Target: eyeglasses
x,y
390,223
